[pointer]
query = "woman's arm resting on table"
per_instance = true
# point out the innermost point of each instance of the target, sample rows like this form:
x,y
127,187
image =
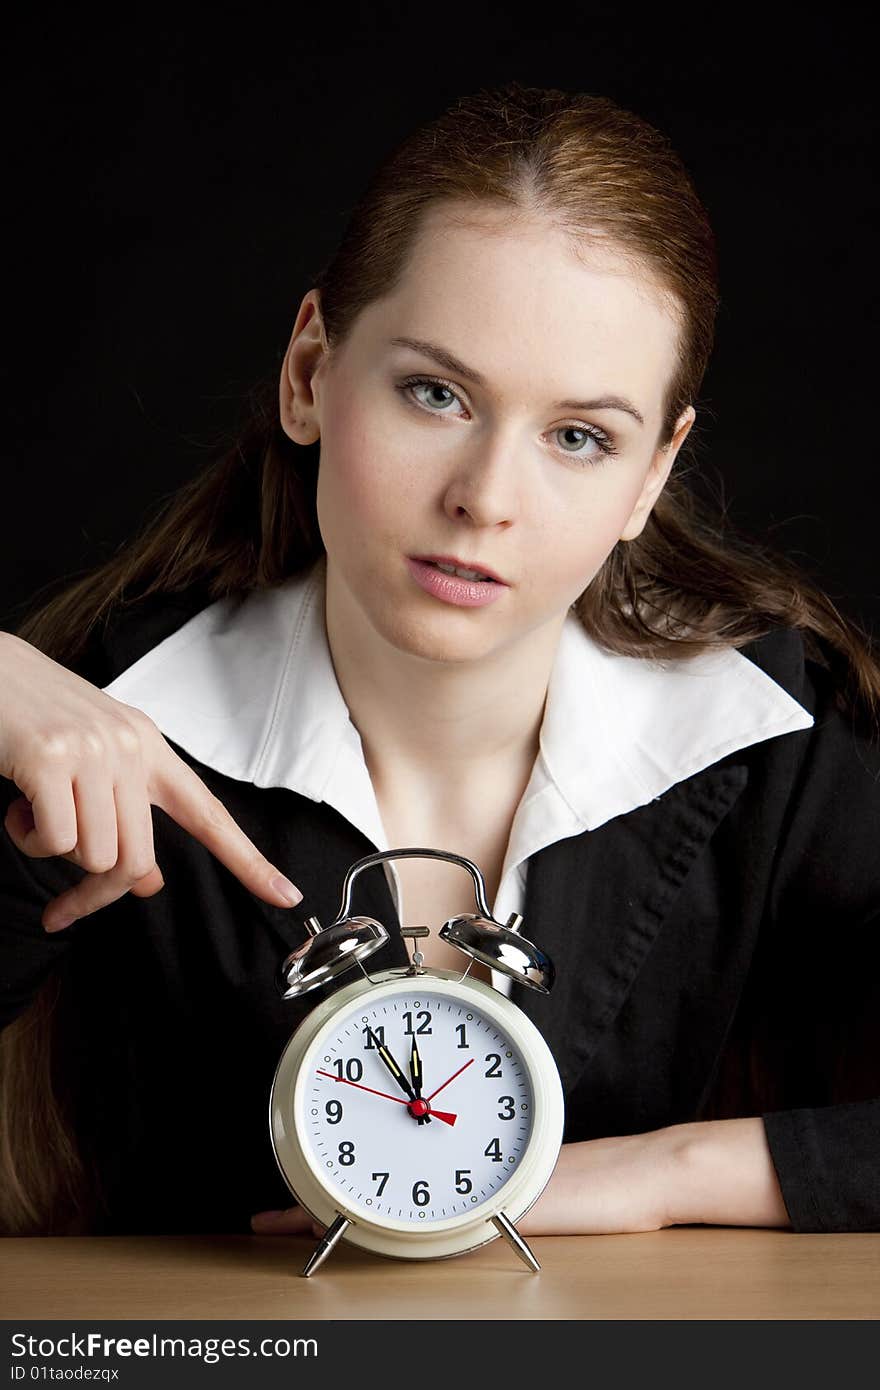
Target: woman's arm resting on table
x,y
717,1172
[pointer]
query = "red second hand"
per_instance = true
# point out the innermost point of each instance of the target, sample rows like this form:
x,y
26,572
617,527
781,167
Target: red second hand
x,y
441,1114
345,1081
446,1083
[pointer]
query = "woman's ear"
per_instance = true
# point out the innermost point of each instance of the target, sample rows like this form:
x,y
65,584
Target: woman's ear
x,y
306,351
655,481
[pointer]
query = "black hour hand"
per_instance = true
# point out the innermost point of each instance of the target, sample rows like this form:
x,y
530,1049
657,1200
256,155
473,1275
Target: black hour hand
x,y
392,1066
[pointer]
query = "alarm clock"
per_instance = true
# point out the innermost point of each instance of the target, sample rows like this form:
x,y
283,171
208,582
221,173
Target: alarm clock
x,y
416,1112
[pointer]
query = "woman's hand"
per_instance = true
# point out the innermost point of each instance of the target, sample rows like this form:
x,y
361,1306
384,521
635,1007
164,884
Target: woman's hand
x,y
292,1222
90,768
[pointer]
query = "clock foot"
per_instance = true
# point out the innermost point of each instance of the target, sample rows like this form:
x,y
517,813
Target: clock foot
x,y
509,1231
327,1242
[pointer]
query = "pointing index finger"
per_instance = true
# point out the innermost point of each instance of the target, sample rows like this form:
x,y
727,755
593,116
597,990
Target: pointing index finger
x,y
185,798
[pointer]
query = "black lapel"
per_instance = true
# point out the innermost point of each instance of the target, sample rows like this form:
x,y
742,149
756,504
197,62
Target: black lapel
x,y
596,901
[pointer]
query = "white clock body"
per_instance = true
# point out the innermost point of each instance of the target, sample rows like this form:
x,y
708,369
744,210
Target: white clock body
x,y
348,1145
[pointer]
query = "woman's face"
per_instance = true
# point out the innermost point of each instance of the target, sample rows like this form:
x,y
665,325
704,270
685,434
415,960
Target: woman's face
x,y
490,462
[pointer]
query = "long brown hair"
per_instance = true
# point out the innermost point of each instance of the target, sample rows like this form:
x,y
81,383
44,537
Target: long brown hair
x,y
248,520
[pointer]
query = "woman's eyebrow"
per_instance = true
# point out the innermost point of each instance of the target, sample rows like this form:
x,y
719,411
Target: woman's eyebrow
x,y
453,364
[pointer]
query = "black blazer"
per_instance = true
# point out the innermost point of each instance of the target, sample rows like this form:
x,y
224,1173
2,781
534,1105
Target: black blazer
x,y
717,955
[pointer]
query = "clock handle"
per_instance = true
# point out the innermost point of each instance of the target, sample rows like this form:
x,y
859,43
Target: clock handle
x,y
479,935
381,855
348,939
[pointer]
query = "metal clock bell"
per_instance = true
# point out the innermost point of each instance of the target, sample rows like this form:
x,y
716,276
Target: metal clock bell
x,y
416,1112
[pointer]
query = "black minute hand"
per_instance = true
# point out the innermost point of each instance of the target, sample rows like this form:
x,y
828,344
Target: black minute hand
x,y
415,1071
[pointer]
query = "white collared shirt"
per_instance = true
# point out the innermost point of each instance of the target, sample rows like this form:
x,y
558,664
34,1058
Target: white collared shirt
x,y
248,687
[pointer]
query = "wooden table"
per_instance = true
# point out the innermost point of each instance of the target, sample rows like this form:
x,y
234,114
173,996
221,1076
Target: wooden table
x,y
679,1273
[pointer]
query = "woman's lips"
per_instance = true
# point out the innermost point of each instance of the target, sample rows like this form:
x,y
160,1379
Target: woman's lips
x,y
454,563
464,593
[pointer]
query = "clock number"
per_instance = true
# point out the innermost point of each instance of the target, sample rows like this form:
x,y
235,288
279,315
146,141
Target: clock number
x,y
384,1178
494,1061
463,1182
424,1026
346,1153
461,1030
333,1110
420,1194
353,1068
510,1110
371,1033
493,1150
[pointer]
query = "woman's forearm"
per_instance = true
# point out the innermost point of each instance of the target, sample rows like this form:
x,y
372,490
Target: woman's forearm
x,y
723,1175
714,1172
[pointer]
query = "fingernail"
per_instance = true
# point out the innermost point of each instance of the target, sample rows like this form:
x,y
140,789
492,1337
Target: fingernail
x,y
286,889
59,923
264,1218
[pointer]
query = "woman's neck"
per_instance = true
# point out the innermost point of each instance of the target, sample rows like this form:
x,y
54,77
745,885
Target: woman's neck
x,y
445,724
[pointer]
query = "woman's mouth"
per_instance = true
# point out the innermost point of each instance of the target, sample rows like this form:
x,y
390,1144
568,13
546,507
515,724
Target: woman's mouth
x,y
465,588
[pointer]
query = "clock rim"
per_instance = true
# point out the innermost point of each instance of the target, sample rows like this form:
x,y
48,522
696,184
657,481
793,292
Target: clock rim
x,y
392,1236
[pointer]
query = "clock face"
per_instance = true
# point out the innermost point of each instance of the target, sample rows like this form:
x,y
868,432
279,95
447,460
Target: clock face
x,y
415,1106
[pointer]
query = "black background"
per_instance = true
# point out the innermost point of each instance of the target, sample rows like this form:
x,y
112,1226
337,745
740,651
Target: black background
x,y
170,190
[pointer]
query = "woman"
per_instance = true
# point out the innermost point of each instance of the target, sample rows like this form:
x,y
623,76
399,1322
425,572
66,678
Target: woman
x,y
642,733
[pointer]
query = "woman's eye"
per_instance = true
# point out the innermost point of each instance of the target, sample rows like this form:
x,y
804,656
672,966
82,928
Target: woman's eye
x,y
604,446
593,446
428,385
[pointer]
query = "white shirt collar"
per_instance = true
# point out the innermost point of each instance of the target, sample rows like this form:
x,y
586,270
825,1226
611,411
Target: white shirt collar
x,y
248,688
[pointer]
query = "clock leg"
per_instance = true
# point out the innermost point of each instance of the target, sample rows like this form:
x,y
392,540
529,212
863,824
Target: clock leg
x,y
509,1231
326,1244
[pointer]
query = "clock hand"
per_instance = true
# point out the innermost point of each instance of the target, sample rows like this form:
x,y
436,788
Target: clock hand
x,y
345,1082
396,1073
451,1078
415,1072
446,1115
391,1064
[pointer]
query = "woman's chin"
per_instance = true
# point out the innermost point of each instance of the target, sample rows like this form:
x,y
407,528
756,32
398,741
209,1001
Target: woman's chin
x,y
442,638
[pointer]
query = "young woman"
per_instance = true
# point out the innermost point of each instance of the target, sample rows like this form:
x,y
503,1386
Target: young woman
x,y
449,589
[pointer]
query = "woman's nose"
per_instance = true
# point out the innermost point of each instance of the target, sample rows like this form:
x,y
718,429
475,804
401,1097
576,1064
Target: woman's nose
x,y
484,483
